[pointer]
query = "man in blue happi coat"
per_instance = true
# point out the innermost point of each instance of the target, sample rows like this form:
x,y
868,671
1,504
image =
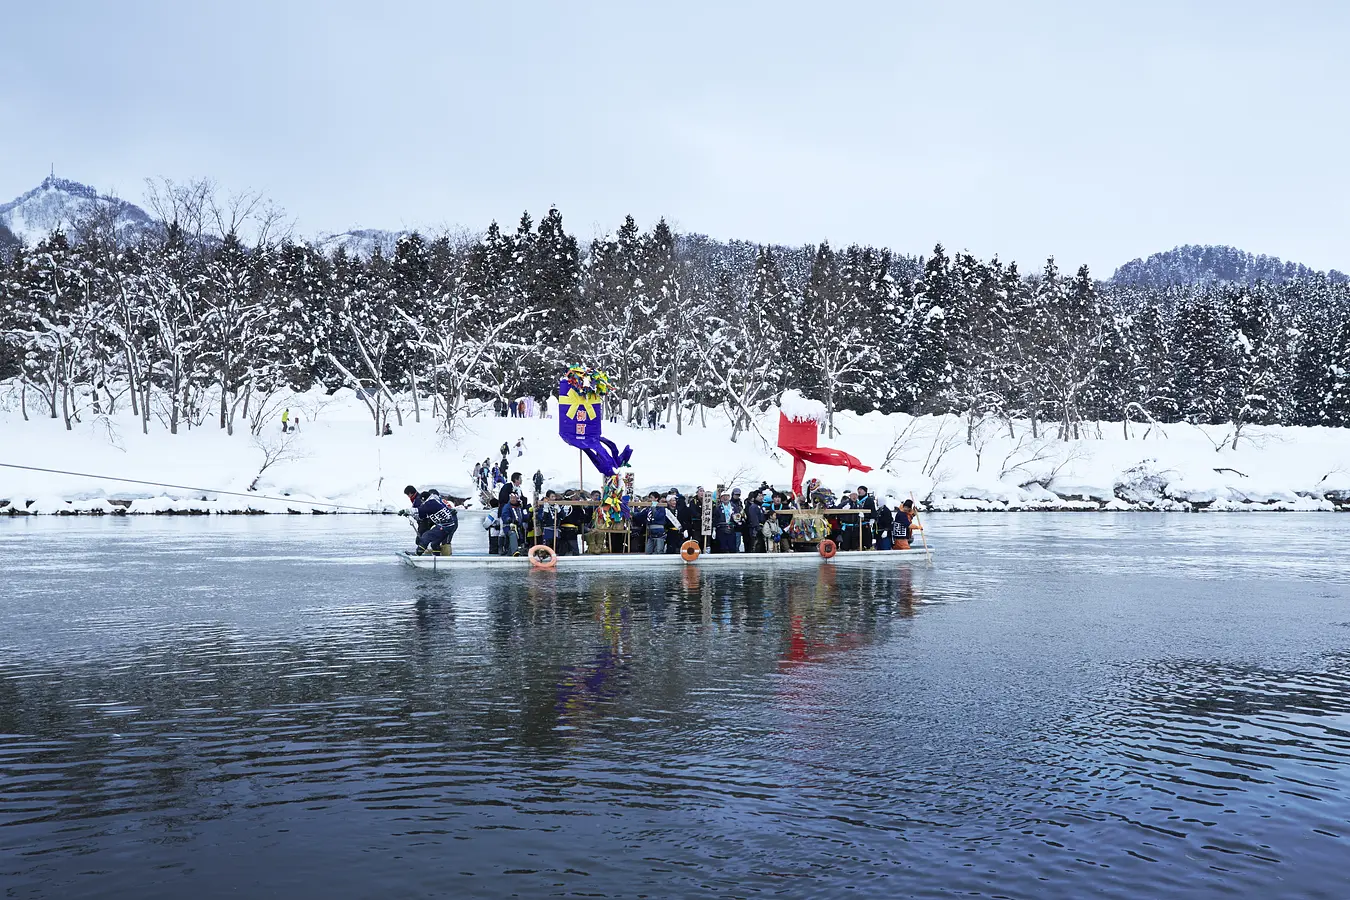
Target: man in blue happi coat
x,y
436,520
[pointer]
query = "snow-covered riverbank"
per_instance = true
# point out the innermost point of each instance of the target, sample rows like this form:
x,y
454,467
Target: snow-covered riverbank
x,y
333,463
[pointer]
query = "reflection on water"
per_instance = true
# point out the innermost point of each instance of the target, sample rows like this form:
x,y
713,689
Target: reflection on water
x,y
1023,720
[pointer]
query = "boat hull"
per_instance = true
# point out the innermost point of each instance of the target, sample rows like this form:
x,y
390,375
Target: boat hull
x,y
667,561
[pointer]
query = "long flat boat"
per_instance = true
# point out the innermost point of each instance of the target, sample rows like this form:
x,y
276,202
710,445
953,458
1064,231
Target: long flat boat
x,y
799,559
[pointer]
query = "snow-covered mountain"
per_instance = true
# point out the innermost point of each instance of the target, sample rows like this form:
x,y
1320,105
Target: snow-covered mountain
x,y
60,202
360,243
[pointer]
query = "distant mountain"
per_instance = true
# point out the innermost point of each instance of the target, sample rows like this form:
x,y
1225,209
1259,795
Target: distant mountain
x,y
1194,264
62,203
361,242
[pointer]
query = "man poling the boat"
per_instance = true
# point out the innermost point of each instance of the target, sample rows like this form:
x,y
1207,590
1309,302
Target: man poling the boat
x,y
902,530
436,520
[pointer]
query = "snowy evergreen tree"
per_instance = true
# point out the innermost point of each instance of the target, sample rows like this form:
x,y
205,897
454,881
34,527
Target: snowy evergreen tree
x,y
1150,381
931,373
1254,358
1336,401
1202,348
549,269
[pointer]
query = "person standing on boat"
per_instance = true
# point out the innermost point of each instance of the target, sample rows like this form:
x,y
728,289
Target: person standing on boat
x,y
493,526
866,524
656,525
902,530
637,523
512,517
676,533
724,525
885,521
570,526
754,523
693,516
509,488
738,518
848,524
441,519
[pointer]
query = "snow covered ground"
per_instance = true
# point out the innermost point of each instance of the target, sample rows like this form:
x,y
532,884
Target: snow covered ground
x,y
334,458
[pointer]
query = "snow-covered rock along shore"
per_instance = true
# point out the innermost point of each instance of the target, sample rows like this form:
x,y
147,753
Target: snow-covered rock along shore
x,y
334,462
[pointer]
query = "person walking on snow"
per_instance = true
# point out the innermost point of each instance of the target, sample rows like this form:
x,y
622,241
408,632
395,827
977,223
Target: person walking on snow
x,y
286,420
520,447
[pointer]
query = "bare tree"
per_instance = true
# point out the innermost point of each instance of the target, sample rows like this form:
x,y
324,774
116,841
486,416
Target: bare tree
x,y
275,449
461,347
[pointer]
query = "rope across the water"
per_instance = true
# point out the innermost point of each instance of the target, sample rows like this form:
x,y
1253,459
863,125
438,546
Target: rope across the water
x,y
185,487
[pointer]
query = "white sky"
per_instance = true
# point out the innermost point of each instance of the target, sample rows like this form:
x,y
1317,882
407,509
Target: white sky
x,y
1092,131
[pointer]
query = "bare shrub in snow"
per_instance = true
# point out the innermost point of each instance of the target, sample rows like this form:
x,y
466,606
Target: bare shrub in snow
x,y
276,448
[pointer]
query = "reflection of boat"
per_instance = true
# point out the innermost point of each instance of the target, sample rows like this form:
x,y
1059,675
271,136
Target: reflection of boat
x,y
874,558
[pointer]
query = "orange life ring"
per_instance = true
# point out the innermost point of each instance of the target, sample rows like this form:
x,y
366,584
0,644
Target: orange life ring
x,y
542,556
827,548
689,551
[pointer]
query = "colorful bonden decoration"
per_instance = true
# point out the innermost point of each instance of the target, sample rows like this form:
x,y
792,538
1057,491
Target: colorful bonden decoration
x,y
581,417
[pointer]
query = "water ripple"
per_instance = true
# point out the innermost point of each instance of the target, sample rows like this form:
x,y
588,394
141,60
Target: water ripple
x,y
1057,715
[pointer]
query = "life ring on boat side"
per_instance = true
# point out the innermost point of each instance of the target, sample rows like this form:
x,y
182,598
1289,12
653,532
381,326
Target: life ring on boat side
x,y
542,556
689,551
827,548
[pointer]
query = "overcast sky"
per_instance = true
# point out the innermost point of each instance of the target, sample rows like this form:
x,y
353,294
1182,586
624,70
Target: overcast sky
x,y
1092,131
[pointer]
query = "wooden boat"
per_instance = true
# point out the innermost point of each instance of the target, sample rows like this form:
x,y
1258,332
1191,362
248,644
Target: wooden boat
x,y
801,559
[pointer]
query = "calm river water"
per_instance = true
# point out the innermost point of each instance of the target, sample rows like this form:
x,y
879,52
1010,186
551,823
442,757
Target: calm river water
x,y
1065,706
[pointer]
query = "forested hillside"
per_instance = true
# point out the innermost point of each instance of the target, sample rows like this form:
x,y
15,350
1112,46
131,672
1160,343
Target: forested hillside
x,y
1193,264
189,326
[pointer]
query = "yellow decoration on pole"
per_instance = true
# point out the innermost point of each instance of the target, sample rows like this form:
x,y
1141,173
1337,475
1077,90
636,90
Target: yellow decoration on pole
x,y
575,402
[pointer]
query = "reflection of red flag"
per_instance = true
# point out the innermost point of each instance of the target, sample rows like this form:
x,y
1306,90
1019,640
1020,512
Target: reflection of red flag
x,y
798,437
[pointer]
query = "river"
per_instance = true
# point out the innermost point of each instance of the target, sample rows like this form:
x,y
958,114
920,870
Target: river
x,y
1065,705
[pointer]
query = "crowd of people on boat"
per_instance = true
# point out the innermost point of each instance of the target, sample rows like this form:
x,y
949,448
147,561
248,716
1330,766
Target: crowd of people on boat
x,y
762,520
